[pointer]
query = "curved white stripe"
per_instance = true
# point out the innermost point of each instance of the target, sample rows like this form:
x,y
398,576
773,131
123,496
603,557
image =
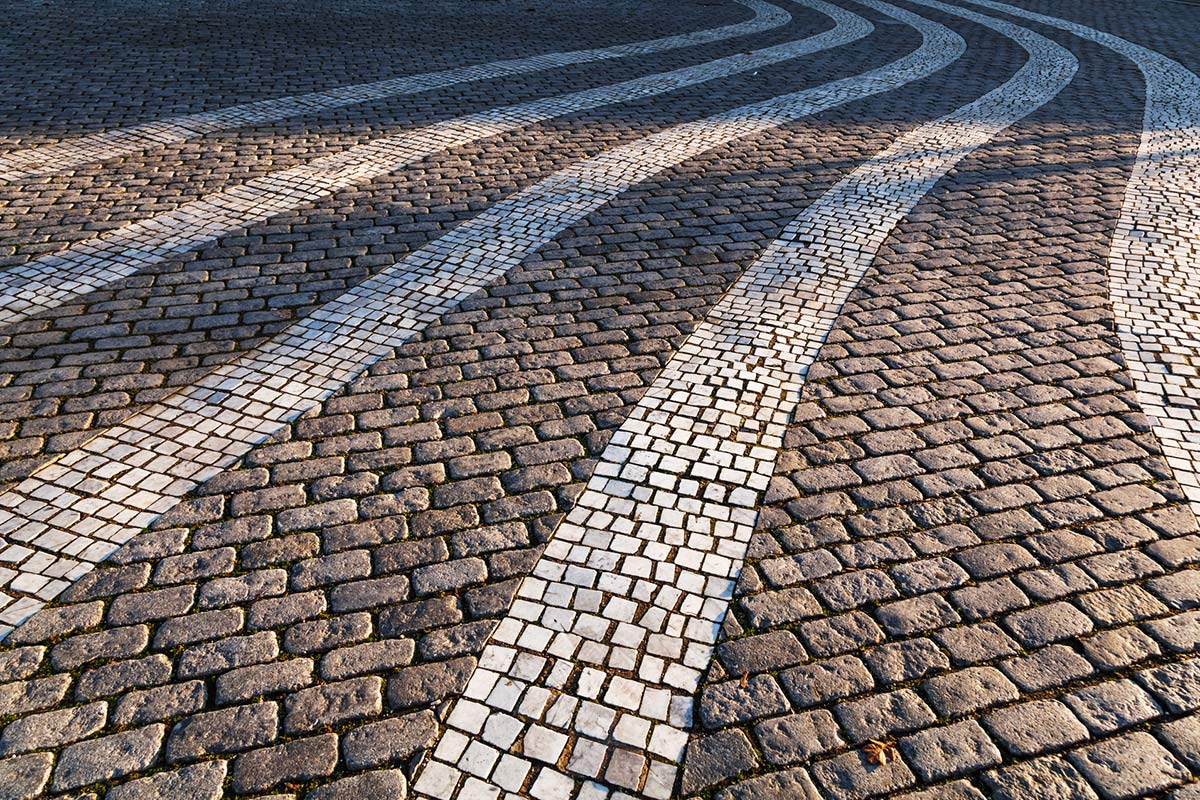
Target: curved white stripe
x,y
1154,260
73,152
637,579
76,511
55,279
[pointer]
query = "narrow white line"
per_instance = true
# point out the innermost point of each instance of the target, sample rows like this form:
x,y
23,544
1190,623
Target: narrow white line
x,y
60,156
1154,260
55,279
586,686
55,525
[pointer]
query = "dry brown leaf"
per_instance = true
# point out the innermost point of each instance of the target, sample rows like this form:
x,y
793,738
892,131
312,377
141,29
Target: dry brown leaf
x,y
880,751
745,678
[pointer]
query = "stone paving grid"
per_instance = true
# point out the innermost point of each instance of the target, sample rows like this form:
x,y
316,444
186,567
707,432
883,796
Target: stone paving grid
x,y
58,278
252,283
1104,710
109,144
75,511
637,578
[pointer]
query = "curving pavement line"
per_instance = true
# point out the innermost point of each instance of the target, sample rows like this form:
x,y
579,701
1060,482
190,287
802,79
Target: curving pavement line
x,y
638,578
55,279
64,155
1154,260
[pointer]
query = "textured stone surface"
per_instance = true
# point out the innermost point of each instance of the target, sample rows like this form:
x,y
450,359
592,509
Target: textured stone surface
x,y
971,543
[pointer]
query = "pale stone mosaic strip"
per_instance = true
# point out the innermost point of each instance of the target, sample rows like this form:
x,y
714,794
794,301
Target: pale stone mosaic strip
x,y
585,689
55,279
53,158
1154,263
56,524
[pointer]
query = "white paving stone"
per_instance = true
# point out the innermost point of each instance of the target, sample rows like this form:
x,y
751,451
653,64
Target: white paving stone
x,y
52,280
60,156
699,448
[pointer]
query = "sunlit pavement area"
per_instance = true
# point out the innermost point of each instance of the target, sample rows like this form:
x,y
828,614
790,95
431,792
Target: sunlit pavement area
x,y
496,399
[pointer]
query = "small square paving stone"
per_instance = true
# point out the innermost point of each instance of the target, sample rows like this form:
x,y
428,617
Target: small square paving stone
x,y
1177,686
797,738
625,769
1030,729
20,662
949,752
843,634
715,759
769,651
108,757
904,661
332,703
225,731
857,588
988,599
52,729
916,615
794,784
379,785
1119,648
1049,778
814,684
1180,633
1047,668
1112,706
1121,605
730,702
23,777
298,760
25,696
851,777
959,790
768,609
1179,590
1130,766
957,693
970,644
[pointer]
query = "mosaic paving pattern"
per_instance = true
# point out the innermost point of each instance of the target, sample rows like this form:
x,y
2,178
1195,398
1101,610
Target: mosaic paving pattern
x,y
56,279
1154,265
596,664
75,512
823,436
110,144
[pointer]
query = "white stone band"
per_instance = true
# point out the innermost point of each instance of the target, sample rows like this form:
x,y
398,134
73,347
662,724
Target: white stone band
x,y
61,156
56,524
1154,261
586,686
58,278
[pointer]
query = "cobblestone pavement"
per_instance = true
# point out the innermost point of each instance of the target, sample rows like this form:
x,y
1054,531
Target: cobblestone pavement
x,y
489,399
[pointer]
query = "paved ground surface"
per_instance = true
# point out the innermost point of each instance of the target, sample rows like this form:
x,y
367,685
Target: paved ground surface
x,y
952,558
